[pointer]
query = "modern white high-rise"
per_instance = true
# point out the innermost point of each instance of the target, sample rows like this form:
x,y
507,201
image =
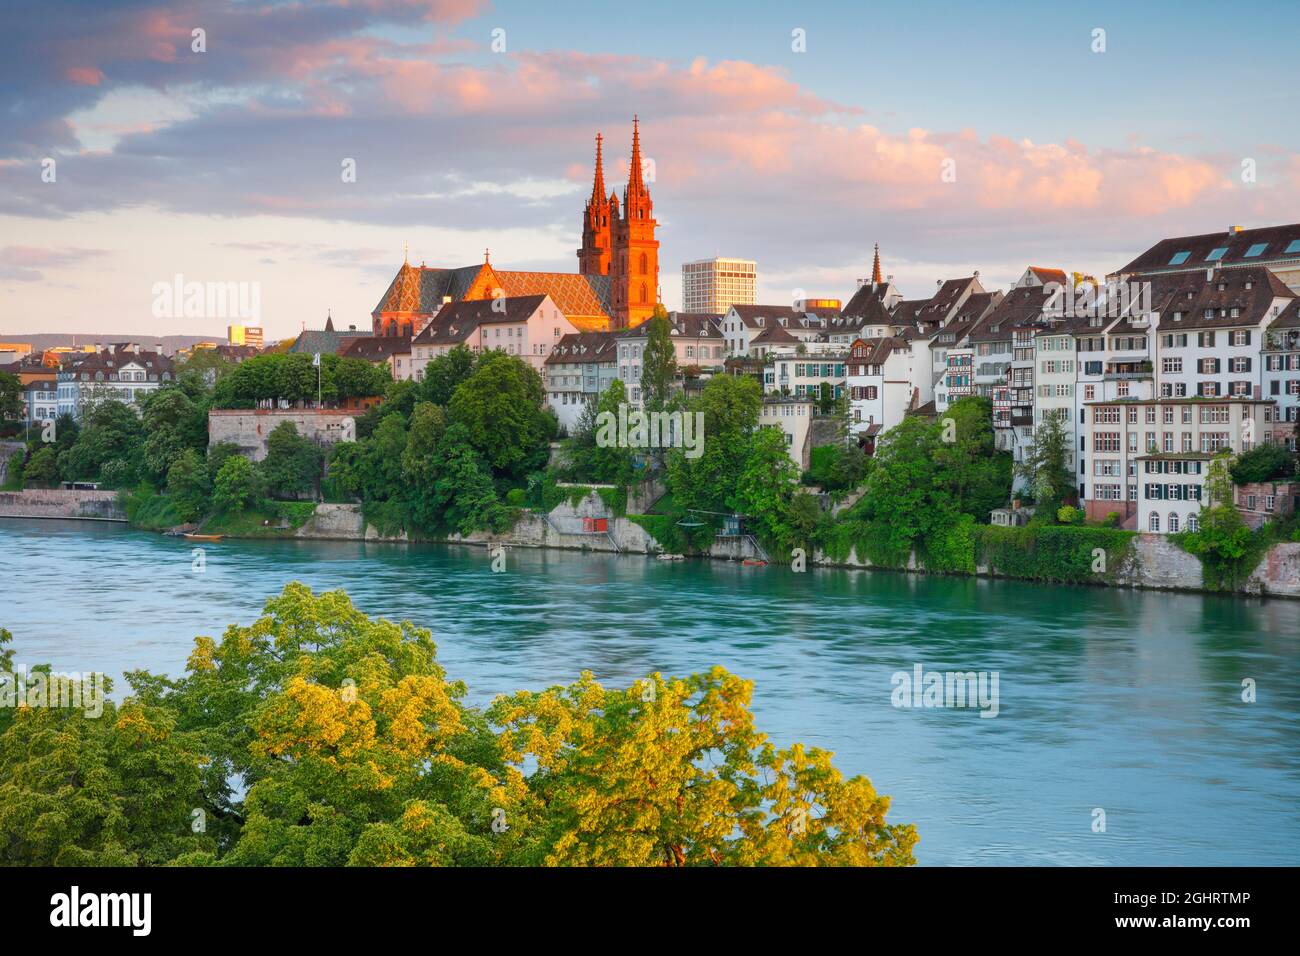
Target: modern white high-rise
x,y
715,285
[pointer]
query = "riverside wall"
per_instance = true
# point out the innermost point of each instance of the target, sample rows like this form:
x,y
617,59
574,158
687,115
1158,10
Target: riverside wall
x,y
58,503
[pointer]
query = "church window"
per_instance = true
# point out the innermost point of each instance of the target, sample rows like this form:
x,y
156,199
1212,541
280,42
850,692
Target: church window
x,y
644,293
644,264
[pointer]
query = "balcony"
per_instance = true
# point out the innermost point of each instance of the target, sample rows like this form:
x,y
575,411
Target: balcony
x,y
1128,371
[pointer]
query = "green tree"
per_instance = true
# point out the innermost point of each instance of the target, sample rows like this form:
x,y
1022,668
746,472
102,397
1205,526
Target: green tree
x,y
42,470
420,465
974,474
172,423
112,435
317,736
443,375
292,464
11,397
463,492
502,408
1264,462
766,489
659,364
237,487
1046,466
675,773
189,485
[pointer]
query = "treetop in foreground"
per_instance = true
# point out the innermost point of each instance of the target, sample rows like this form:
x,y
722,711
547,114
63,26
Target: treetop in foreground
x,y
318,736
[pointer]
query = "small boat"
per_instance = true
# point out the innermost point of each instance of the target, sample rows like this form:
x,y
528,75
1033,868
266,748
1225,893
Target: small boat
x,y
754,563
203,537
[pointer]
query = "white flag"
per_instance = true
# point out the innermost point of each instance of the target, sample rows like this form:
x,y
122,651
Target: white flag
x,y
315,359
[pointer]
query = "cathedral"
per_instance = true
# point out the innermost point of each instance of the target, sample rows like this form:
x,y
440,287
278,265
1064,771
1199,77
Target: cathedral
x,y
616,285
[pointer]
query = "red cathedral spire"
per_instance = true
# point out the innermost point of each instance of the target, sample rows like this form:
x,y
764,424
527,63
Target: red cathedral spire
x,y
619,241
598,183
875,267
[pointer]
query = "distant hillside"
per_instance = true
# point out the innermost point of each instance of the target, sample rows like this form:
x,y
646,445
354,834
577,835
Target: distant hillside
x,y
170,343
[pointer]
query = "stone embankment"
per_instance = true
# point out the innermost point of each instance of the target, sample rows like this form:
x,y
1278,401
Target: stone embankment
x,y
58,503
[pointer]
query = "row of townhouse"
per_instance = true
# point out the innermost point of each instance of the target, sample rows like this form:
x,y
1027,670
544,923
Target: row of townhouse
x,y
1215,328
122,371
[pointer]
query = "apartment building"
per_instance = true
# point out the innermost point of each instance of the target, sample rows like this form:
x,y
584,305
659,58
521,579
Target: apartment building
x,y
697,344
1275,248
715,285
811,374
1280,358
122,371
1146,459
879,383
528,326
742,324
793,415
579,368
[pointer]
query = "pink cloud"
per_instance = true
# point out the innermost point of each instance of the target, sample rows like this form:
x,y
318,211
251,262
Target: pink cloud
x,y
84,75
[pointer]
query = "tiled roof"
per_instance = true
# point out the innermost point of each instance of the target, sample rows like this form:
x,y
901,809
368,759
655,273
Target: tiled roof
x,y
456,320
316,340
422,290
696,324
1276,240
867,295
584,347
573,294
908,311
1289,319
376,348
1049,275
1192,294
1018,308
981,305
877,350
749,314
774,334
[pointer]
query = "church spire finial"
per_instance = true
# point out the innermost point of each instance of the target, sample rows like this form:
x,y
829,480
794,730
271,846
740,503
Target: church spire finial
x,y
634,174
487,256
598,181
406,253
875,267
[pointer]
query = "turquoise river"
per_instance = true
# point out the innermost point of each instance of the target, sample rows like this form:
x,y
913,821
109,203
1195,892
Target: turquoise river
x,y
1127,701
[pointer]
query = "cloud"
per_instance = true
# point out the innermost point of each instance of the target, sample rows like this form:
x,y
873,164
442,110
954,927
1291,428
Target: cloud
x,y
444,134
29,263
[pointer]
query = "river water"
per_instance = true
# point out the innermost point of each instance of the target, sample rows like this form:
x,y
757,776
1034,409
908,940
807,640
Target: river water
x,y
1126,702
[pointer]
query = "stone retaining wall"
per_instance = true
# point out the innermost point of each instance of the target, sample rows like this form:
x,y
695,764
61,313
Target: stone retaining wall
x,y
57,503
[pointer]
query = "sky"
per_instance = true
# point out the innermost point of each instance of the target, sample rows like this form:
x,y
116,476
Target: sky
x,y
959,136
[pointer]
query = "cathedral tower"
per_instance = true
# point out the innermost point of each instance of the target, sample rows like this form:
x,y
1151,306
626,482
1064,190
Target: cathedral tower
x,y
634,265
593,257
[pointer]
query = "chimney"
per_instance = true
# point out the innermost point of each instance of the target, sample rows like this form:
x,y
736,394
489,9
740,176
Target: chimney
x,y
1233,230
861,283
352,328
1209,273
889,279
977,273
938,283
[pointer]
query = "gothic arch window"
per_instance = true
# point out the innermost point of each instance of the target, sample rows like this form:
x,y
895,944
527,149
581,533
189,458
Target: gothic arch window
x,y
645,263
643,293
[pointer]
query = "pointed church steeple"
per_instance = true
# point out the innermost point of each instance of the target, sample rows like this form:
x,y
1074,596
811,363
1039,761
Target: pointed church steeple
x,y
598,182
875,267
593,257
635,180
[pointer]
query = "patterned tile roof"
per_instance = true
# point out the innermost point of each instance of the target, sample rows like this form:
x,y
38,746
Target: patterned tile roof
x,y
421,290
